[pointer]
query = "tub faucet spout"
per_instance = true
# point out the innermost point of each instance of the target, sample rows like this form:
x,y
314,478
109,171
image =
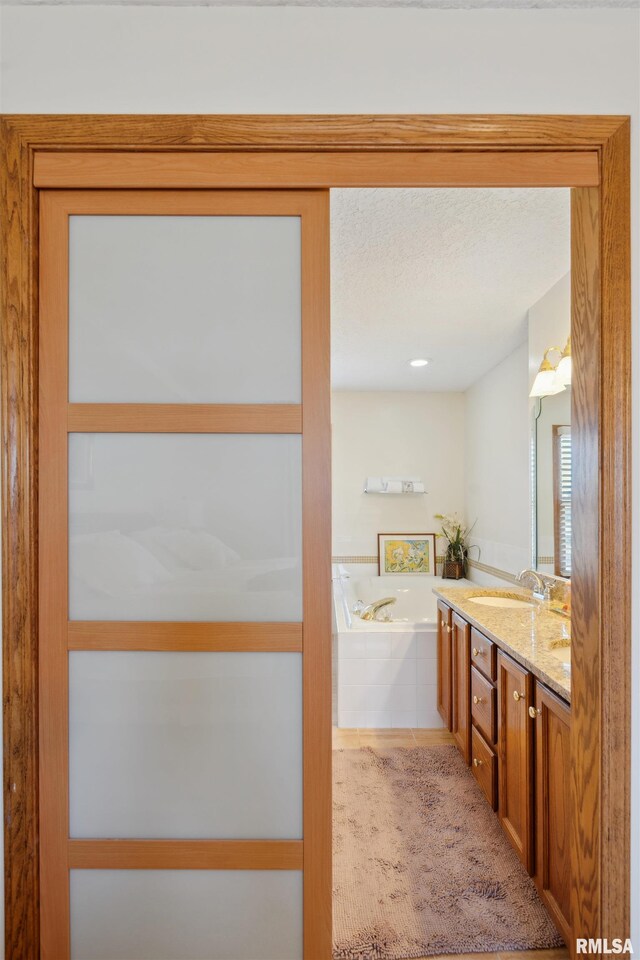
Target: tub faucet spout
x,y
371,610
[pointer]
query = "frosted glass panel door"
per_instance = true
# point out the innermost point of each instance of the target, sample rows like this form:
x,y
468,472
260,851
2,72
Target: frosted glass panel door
x,y
185,527
184,557
230,285
178,914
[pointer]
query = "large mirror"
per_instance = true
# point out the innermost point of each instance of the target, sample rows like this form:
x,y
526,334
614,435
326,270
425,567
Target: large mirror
x,y
552,431
550,399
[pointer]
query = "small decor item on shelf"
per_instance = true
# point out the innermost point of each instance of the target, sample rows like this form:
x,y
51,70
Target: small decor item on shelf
x,y
456,533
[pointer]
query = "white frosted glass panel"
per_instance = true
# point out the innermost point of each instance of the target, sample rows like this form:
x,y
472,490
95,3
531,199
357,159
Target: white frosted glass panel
x,y
188,745
184,309
186,915
185,527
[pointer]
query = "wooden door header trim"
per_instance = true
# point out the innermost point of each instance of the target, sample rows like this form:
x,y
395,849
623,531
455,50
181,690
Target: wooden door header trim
x,y
191,171
326,132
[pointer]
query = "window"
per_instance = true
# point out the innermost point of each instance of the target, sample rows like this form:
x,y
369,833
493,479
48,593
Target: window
x,y
562,499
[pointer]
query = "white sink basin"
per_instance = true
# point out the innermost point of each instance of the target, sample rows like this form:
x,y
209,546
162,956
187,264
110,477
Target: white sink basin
x,y
510,602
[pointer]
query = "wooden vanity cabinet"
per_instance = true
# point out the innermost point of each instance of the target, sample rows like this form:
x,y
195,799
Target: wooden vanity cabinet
x,y
552,805
516,755
515,734
445,665
460,643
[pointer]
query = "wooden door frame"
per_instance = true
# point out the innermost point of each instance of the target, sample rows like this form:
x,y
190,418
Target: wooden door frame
x,y
589,153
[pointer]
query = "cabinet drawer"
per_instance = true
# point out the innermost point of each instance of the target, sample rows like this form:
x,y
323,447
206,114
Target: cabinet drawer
x,y
483,654
483,705
484,766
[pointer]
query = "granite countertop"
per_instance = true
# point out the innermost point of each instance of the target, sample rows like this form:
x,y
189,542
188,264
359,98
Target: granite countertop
x,y
526,635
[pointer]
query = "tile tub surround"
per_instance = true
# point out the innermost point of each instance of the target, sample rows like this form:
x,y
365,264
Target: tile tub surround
x,y
387,672
523,634
388,680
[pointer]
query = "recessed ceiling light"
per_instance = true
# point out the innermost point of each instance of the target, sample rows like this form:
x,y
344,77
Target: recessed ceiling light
x,y
418,363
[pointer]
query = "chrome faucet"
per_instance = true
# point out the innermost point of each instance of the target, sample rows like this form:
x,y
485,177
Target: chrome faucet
x,y
369,612
541,588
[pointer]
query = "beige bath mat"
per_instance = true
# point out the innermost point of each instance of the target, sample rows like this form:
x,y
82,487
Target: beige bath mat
x,y
421,866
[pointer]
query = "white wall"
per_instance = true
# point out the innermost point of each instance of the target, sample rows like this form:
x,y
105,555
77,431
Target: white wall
x,y
398,435
289,60
497,464
549,322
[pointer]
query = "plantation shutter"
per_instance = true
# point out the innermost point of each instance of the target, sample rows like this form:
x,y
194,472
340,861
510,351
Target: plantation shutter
x,y
562,499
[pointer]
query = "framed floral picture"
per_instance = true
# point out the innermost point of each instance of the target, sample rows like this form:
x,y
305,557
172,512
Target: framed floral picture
x,y
400,553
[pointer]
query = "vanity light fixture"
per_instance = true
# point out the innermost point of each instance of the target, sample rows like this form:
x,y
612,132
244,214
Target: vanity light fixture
x,y
418,363
546,381
563,370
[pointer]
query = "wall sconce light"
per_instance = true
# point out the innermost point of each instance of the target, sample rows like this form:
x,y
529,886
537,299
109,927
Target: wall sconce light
x,y
563,370
546,381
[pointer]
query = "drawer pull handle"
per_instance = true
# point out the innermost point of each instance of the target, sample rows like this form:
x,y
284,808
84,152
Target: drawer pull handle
x,y
478,652
517,696
533,713
448,629
478,699
476,762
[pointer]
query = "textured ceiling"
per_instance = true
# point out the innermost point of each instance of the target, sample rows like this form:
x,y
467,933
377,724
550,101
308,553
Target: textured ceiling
x,y
444,274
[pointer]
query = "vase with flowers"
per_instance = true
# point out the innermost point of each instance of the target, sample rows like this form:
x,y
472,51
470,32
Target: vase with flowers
x,y
456,533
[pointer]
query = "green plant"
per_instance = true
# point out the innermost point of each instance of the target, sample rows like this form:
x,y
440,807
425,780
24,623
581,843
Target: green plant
x,y
456,533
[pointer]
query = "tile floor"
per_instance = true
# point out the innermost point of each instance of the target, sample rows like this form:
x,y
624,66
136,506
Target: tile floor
x,y
366,737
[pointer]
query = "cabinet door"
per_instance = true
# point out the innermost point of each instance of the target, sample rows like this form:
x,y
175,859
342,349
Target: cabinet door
x,y
445,699
461,635
515,750
553,825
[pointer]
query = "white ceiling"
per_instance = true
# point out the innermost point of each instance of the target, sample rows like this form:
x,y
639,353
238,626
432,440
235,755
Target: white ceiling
x,y
444,274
